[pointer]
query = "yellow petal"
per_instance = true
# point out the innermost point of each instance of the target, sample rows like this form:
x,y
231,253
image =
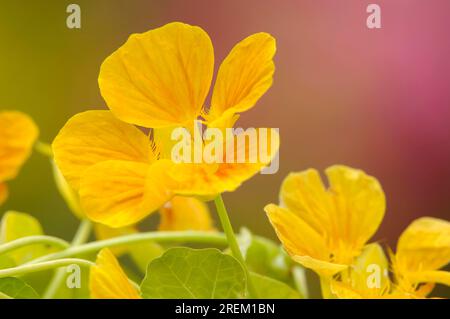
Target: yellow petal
x,y
304,194
347,214
3,193
424,245
322,268
210,179
433,276
343,291
121,193
108,280
301,241
17,136
298,237
185,213
95,136
244,76
359,204
160,77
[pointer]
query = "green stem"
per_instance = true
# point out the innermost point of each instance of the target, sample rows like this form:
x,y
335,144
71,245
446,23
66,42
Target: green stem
x,y
232,242
196,237
29,268
83,233
81,236
32,240
44,148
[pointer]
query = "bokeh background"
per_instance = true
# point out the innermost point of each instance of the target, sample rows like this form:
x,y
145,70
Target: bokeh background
x,y
378,100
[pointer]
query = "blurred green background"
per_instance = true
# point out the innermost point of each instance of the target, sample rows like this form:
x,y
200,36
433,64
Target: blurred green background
x,y
378,100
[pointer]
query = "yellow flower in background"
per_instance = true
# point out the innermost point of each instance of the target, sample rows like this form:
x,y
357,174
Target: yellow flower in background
x,y
422,249
326,228
107,279
185,213
18,133
160,80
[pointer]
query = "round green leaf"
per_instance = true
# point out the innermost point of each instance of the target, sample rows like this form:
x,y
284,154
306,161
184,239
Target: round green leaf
x,y
194,273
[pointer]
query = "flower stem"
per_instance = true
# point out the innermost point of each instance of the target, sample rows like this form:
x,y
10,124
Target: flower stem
x,y
83,233
81,236
44,148
32,240
196,237
29,268
232,242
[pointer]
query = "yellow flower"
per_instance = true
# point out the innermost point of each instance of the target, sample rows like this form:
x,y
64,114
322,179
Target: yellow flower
x,y
325,229
185,213
17,136
108,280
160,79
422,249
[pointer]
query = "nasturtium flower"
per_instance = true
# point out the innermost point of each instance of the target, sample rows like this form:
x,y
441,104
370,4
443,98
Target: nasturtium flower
x,y
159,80
107,279
18,133
422,249
324,229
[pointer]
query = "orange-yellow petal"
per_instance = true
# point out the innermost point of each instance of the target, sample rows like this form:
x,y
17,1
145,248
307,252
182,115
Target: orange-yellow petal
x,y
108,280
185,213
209,179
243,77
18,133
91,137
121,193
160,77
